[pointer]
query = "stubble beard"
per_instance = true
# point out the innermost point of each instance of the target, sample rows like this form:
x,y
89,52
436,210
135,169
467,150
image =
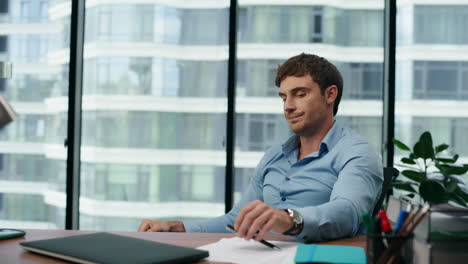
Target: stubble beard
x,y
298,128
304,128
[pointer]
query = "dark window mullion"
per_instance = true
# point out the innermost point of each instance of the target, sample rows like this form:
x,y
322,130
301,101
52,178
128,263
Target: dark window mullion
x,y
73,140
389,82
231,112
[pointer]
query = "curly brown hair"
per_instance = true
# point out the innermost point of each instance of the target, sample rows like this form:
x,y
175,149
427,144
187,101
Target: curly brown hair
x,y
323,72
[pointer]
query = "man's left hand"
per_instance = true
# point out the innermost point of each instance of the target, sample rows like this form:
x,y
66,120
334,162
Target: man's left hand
x,y
259,217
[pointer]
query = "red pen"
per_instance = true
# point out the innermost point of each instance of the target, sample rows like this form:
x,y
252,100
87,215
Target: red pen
x,y
385,225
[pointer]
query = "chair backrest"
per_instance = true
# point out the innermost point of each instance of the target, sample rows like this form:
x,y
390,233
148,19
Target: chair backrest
x,y
389,174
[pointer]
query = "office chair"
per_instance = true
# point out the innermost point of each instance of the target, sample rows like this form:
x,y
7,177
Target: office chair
x,y
390,174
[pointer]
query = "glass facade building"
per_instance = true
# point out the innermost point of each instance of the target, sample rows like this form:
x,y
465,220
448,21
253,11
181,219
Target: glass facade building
x,y
432,73
31,173
155,97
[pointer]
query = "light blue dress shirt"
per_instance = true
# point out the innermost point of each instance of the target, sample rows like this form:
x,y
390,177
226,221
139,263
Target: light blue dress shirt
x,y
330,188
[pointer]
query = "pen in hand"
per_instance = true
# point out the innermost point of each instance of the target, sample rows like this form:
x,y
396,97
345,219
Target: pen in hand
x,y
268,244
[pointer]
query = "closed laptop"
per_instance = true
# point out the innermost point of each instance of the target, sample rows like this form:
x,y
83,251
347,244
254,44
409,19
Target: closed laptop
x,y
110,248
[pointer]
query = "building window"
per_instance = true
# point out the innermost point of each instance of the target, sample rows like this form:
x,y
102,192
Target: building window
x,y
256,78
43,8
354,27
436,24
104,23
4,8
316,35
451,131
257,132
291,24
362,80
24,10
460,140
440,80
204,27
3,43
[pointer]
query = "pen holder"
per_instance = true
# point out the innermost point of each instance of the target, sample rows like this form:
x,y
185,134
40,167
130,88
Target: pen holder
x,y
386,248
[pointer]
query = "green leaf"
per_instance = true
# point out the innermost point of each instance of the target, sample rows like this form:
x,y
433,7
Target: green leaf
x,y
461,193
451,186
423,148
445,160
433,192
442,169
452,170
441,148
414,175
456,199
400,145
406,186
408,161
456,179
448,160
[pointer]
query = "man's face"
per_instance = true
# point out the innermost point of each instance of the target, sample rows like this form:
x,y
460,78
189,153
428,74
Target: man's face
x,y
305,108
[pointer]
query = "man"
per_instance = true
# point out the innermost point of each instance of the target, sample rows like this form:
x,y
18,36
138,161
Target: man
x,y
314,186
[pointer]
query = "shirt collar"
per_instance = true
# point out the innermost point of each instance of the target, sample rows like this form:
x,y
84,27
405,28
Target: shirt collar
x,y
332,137
330,140
290,144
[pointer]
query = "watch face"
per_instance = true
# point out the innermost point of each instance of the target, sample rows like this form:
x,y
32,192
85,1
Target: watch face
x,y
297,220
297,217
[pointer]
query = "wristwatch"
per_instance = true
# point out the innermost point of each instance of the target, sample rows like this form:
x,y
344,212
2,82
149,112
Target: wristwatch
x,y
297,220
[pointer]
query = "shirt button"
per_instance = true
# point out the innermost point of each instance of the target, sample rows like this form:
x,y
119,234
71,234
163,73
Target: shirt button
x,y
283,199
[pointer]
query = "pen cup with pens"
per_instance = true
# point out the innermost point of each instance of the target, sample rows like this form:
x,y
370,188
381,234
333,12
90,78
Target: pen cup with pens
x,y
387,245
401,248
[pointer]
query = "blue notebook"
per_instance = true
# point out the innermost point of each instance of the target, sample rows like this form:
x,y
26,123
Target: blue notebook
x,y
329,254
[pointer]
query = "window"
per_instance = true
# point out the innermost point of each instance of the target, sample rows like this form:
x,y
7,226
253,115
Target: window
x,y
4,7
34,162
258,77
3,43
363,80
441,24
444,130
271,32
460,141
24,9
257,132
423,82
439,80
316,35
43,7
204,26
156,112
154,97
293,24
353,27
104,23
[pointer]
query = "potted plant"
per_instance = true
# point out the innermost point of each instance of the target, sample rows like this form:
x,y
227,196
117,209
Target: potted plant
x,y
429,174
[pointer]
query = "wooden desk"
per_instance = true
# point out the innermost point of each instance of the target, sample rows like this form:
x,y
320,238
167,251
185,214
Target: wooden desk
x,y
12,252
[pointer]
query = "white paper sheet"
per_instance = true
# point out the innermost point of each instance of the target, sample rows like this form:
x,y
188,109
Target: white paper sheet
x,y
240,251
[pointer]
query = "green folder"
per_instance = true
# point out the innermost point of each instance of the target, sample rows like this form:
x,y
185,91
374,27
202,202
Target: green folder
x,y
329,254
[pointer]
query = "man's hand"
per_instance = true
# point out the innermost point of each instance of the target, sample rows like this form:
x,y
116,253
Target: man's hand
x,y
161,226
259,217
